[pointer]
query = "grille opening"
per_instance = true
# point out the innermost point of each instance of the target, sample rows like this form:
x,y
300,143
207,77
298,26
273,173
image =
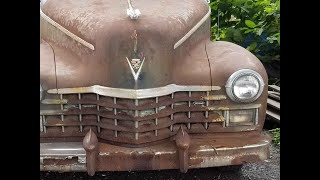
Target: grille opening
x,y
113,118
71,129
125,102
198,126
198,94
147,124
107,132
71,118
180,94
126,123
88,96
164,98
143,102
107,121
106,99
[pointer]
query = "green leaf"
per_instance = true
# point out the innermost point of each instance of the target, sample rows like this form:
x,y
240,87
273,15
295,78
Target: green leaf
x,y
250,24
278,39
252,46
248,31
260,31
268,10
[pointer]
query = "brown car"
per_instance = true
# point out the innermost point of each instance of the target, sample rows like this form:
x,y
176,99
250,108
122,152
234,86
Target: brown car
x,y
138,85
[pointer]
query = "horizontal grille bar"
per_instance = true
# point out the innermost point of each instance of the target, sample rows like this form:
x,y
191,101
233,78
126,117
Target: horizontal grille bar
x,y
131,93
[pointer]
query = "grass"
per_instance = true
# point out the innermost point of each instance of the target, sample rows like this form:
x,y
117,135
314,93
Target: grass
x,y
275,136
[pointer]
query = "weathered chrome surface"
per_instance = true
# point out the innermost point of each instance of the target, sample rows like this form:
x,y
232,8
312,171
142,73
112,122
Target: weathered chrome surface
x,y
132,93
62,149
202,152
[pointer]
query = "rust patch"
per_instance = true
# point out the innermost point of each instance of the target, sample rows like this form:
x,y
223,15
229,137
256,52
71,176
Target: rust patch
x,y
245,159
217,118
58,162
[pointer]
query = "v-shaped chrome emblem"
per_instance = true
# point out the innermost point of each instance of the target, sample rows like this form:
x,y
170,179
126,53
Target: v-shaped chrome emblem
x,y
135,66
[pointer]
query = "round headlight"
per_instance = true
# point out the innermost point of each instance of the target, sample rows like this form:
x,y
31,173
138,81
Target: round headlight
x,y
244,85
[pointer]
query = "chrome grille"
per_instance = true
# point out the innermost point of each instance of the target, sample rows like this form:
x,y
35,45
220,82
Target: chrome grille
x,y
131,121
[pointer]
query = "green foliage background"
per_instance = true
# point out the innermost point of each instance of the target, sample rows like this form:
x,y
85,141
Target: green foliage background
x,y
253,24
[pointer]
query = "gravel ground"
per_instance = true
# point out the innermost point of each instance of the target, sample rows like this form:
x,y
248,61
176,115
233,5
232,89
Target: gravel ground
x,y
267,170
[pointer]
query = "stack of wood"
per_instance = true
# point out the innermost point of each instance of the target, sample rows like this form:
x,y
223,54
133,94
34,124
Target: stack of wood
x,y
273,108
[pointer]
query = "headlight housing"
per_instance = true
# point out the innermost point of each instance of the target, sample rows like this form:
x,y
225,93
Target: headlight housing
x,y
244,85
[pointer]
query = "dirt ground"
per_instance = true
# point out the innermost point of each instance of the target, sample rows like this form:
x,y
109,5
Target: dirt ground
x,y
267,170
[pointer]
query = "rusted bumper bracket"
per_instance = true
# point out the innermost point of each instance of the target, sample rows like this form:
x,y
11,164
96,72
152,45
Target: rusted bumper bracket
x,y
90,144
187,151
183,144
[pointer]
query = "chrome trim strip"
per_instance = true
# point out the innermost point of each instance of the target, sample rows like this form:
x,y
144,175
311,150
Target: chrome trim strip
x,y
132,93
233,107
64,30
192,30
62,149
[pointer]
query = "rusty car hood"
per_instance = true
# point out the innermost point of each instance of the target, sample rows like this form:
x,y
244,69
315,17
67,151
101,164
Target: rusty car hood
x,y
107,43
94,19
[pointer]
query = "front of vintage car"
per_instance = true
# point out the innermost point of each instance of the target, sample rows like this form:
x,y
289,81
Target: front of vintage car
x,y
139,86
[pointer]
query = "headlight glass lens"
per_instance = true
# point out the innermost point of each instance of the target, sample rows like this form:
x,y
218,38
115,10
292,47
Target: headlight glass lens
x,y
244,85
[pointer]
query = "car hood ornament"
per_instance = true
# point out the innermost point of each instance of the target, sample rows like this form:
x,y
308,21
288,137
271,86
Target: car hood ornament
x,y
132,13
137,59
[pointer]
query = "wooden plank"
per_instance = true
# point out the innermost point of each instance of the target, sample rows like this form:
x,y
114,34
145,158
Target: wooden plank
x,y
273,103
274,87
274,115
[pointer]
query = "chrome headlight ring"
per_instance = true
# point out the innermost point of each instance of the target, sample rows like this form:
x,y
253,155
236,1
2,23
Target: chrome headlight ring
x,y
244,86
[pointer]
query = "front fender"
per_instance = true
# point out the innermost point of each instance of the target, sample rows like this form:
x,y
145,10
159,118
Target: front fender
x,y
226,58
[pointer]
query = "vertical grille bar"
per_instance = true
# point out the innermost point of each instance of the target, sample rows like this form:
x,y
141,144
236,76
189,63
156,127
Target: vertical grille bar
x,y
80,115
41,124
207,113
189,113
256,116
226,117
98,116
44,123
171,127
157,110
61,107
115,113
136,113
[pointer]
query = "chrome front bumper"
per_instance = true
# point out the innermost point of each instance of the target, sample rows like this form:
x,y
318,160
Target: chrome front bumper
x,y
204,151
